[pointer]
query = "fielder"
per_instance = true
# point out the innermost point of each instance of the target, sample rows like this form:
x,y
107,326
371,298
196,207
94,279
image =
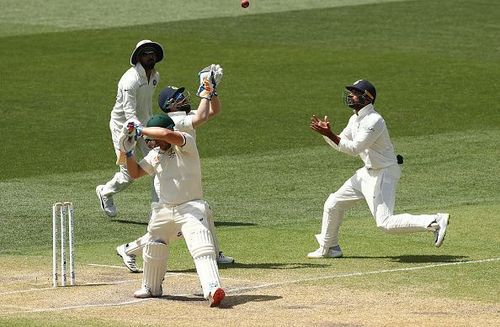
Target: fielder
x,y
175,163
366,135
133,100
176,104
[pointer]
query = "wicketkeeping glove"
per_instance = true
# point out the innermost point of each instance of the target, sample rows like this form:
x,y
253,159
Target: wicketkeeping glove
x,y
207,83
218,72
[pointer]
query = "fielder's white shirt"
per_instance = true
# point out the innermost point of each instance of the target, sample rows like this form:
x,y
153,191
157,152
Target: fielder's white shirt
x,y
366,135
178,172
183,121
134,96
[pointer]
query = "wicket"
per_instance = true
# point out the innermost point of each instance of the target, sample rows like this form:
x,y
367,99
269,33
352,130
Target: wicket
x,y
62,210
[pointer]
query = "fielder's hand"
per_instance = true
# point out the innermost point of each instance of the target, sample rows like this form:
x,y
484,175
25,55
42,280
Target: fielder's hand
x,y
207,83
321,126
218,72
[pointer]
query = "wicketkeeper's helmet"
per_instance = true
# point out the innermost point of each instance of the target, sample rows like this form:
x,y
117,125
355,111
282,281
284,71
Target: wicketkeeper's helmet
x,y
171,96
161,121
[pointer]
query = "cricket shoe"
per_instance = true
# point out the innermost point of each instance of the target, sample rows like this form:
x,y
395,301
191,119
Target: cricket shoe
x,y
216,296
442,222
222,259
321,252
106,202
128,260
145,292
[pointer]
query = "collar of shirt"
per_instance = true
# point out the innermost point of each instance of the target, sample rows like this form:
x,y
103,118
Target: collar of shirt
x,y
365,111
141,71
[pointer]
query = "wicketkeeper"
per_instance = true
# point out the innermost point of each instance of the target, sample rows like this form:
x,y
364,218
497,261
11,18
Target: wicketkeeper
x,y
175,163
366,135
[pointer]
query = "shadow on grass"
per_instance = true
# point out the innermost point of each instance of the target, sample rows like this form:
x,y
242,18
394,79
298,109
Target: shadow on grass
x,y
416,258
217,223
131,222
238,265
229,301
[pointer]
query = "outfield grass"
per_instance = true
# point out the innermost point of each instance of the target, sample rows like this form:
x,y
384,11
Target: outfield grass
x,y
435,66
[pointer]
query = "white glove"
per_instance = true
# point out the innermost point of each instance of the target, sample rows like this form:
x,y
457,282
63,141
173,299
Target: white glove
x,y
218,73
133,128
131,131
207,87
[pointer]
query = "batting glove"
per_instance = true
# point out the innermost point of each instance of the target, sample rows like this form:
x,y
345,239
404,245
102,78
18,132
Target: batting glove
x,y
127,143
133,128
207,83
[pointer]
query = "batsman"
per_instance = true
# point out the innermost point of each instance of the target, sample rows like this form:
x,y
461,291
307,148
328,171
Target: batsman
x,y
366,135
175,164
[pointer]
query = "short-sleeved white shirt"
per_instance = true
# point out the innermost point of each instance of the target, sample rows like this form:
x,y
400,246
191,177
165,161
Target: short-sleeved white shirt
x,y
183,121
178,172
134,96
366,135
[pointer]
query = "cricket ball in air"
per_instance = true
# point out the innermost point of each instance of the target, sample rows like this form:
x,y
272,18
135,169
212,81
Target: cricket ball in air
x,y
245,3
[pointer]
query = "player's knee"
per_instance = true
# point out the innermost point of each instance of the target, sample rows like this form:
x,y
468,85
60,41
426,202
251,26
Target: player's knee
x,y
383,223
155,251
332,204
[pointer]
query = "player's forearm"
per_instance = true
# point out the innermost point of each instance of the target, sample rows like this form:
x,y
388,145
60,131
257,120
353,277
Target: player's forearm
x,y
135,171
164,134
215,107
202,113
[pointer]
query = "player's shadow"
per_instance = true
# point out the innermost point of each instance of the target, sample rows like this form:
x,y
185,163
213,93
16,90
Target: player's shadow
x,y
233,223
217,223
235,265
230,301
423,258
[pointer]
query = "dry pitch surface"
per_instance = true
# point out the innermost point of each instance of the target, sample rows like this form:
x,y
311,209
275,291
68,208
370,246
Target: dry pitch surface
x,y
104,294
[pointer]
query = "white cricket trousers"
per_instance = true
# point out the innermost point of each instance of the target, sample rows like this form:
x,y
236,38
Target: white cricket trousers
x,y
168,222
135,247
378,188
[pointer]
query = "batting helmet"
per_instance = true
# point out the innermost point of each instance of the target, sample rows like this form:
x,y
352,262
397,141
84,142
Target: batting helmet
x,y
364,87
161,121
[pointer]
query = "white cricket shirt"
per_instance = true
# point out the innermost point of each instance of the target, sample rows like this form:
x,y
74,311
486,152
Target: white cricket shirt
x,y
178,172
183,121
366,135
134,96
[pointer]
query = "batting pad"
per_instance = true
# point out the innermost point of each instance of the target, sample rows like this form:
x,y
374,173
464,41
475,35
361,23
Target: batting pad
x,y
199,241
155,256
200,244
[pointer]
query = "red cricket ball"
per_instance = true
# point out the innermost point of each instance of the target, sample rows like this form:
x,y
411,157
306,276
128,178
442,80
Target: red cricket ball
x,y
245,3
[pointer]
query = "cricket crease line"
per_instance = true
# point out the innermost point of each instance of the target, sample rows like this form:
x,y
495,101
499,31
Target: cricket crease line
x,y
83,306
194,275
59,287
355,274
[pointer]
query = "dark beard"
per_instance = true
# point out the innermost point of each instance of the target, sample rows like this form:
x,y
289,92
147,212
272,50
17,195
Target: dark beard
x,y
149,65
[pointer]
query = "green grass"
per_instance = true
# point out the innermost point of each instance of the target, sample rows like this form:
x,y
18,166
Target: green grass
x,y
435,66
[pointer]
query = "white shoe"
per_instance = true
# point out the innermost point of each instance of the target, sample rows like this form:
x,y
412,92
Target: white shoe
x,y
216,296
221,258
128,260
321,252
106,202
145,292
442,221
